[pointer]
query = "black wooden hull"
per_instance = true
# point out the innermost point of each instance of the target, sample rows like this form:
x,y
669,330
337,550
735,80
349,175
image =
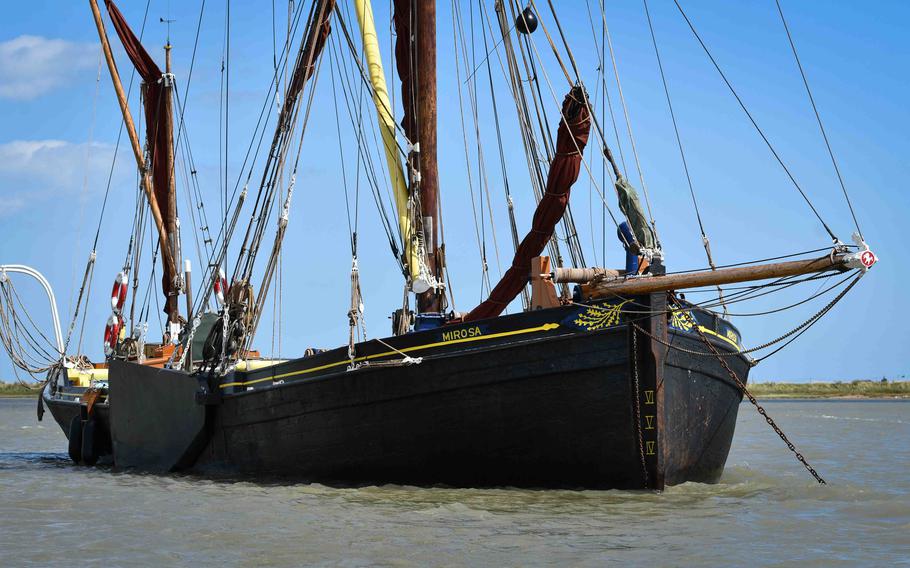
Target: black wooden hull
x,y
605,407
65,409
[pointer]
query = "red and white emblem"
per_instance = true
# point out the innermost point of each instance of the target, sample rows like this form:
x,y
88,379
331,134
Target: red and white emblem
x,y
868,258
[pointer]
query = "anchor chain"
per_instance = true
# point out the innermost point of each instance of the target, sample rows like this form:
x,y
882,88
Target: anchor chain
x,y
759,408
641,443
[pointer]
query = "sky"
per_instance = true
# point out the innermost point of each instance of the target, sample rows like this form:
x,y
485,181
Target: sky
x,y
60,126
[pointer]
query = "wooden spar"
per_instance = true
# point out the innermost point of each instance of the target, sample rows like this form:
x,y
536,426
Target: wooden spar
x,y
172,182
171,228
425,89
187,274
648,284
166,255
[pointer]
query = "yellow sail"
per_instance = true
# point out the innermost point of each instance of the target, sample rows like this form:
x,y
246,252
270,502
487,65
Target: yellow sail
x,y
386,127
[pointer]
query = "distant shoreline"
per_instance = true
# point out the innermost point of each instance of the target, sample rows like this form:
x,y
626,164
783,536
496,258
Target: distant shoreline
x,y
835,390
13,390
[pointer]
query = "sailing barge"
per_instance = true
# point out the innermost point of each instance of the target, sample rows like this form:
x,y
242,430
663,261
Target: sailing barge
x,y
616,384
563,397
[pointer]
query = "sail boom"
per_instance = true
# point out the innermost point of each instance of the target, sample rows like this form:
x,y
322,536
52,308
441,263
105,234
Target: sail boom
x,y
648,284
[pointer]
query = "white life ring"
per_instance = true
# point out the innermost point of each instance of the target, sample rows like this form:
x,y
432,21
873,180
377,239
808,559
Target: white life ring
x,y
221,287
112,333
118,292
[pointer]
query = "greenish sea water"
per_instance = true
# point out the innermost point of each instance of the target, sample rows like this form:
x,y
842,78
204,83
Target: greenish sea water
x,y
766,511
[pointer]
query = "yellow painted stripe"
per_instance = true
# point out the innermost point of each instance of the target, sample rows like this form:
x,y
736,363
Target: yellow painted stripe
x,y
544,327
715,334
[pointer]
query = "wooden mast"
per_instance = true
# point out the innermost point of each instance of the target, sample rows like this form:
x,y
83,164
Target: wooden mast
x,y
166,255
171,228
424,80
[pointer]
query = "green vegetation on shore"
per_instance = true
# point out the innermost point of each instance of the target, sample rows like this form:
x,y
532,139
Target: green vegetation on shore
x,y
15,389
853,389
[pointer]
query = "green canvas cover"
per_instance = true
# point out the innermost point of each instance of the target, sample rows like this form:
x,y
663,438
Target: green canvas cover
x,y
631,208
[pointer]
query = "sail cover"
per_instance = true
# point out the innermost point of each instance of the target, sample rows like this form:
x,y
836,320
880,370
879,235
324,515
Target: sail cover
x,y
570,143
631,208
158,124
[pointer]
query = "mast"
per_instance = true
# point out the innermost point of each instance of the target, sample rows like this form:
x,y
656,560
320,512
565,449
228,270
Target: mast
x,y
415,53
166,256
167,123
425,45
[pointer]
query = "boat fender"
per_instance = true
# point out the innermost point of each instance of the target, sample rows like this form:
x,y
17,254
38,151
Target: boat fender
x,y
75,439
526,22
221,287
112,333
118,293
89,452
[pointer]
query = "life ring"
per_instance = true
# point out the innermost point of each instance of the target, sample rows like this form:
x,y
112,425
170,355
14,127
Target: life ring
x,y
118,293
221,287
112,333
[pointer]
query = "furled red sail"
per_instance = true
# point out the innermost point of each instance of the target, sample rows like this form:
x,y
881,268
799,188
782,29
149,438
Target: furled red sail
x,y
159,129
307,58
402,19
570,143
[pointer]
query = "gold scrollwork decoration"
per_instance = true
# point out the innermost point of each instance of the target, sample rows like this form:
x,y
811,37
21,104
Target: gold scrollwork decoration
x,y
682,320
595,318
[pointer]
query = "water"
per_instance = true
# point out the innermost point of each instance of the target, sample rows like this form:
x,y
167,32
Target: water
x,y
767,511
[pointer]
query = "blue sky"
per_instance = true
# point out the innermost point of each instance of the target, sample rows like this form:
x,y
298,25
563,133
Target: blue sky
x,y
57,143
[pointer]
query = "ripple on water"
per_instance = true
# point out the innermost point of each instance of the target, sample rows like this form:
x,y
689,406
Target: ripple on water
x,y
765,507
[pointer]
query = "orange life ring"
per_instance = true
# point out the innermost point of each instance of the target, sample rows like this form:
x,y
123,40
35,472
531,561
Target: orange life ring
x,y
112,333
118,292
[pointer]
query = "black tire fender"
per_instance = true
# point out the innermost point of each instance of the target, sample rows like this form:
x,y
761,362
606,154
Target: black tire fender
x,y
89,443
75,439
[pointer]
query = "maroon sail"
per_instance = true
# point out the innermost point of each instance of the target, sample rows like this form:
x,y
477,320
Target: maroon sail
x,y
307,59
402,19
159,129
570,143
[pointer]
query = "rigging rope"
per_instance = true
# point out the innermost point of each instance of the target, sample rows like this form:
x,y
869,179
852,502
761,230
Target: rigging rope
x,y
818,118
482,178
26,345
568,221
755,124
90,263
363,154
526,300
226,231
533,155
706,243
792,334
461,55
584,161
625,110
